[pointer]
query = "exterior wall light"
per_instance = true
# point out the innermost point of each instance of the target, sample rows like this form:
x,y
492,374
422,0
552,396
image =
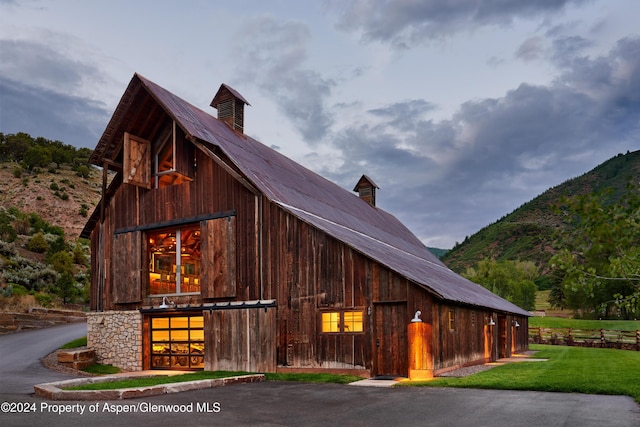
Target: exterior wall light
x,y
164,303
491,322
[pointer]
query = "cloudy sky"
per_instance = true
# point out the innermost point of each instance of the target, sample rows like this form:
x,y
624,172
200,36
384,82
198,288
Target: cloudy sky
x,y
460,111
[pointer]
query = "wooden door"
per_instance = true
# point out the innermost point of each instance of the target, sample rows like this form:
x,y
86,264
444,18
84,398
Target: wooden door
x,y
502,337
390,347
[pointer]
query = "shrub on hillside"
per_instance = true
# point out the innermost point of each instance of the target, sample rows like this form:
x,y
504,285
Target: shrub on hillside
x,y
29,273
6,249
38,243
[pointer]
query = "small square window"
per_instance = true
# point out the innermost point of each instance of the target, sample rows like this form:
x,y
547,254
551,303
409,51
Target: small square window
x,y
352,321
342,321
331,322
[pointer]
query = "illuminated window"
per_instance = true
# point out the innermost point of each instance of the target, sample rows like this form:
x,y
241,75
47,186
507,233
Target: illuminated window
x,y
331,322
352,321
174,260
452,320
177,342
342,321
171,158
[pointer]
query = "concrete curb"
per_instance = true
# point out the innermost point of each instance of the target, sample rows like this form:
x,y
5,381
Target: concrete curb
x,y
54,391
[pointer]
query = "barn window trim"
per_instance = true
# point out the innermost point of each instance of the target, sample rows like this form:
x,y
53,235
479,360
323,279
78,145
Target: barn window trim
x,y
344,321
452,320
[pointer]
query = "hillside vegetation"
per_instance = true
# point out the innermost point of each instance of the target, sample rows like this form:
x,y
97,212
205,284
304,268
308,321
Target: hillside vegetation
x,y
581,238
47,192
528,233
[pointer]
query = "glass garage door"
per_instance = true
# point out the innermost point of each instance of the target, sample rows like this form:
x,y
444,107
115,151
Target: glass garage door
x,y
177,342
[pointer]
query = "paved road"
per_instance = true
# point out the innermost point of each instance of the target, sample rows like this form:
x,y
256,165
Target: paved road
x,y
295,404
20,355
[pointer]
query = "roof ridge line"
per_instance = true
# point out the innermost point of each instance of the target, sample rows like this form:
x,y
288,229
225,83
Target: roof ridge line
x,y
363,235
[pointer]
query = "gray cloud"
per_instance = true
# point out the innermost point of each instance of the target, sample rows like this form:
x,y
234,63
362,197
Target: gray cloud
x,y
40,112
496,153
272,55
41,65
531,49
39,94
405,24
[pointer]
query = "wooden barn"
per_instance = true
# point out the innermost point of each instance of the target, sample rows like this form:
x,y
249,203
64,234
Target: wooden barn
x,y
212,251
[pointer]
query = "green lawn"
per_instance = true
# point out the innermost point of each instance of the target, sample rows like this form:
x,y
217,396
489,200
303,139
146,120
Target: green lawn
x,y
569,370
205,375
80,342
559,322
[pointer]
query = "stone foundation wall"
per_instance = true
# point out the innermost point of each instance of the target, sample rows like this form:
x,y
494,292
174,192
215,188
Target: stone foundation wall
x,y
116,337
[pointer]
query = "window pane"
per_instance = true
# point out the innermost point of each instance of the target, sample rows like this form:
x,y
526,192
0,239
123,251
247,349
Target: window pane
x,y
331,322
160,336
161,247
159,322
179,322
179,335
353,321
190,258
197,335
174,256
197,322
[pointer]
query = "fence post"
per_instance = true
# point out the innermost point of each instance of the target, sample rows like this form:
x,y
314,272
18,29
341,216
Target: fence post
x,y
603,342
637,340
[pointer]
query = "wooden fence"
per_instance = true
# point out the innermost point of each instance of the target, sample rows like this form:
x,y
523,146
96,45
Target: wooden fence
x,y
602,338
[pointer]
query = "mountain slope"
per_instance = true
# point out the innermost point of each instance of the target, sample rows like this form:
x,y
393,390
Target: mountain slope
x,y
528,232
61,198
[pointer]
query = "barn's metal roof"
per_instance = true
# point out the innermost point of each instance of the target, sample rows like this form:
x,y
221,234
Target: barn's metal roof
x,y
323,204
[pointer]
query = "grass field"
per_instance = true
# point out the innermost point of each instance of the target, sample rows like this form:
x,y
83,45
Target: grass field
x,y
559,322
206,375
568,370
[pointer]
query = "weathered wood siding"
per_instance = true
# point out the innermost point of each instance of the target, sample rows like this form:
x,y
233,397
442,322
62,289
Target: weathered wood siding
x,y
307,271
213,191
240,340
463,342
218,257
127,268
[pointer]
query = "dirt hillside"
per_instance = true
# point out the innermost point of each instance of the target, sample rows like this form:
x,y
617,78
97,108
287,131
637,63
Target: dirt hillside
x,y
61,198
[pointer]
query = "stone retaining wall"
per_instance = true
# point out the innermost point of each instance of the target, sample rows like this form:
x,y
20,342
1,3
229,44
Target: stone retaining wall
x,y
116,337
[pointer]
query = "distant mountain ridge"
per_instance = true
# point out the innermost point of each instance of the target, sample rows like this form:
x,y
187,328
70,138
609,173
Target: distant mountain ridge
x,y
527,233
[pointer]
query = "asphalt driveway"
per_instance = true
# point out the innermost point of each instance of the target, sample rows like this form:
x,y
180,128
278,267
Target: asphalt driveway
x,y
295,404
20,355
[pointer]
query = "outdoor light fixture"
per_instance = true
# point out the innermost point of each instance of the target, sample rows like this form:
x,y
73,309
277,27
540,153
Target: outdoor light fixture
x,y
517,324
164,303
491,322
417,318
